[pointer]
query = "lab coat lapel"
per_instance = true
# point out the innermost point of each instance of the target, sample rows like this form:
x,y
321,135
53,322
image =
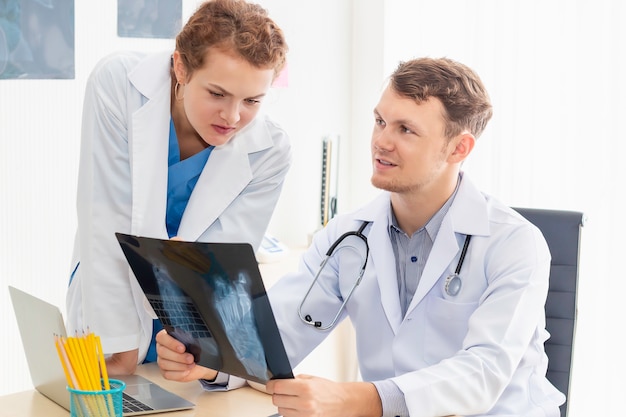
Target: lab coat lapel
x,y
223,178
467,216
442,254
149,153
383,259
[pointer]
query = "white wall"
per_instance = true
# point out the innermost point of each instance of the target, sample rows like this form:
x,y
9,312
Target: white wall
x,y
316,103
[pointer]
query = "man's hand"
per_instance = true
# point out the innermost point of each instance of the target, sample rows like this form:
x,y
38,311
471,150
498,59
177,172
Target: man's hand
x,y
315,397
176,364
122,363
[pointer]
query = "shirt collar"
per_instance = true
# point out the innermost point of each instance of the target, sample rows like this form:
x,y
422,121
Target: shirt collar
x,y
433,225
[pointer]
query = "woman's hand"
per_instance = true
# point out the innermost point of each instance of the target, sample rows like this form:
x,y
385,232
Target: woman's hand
x,y
176,364
122,363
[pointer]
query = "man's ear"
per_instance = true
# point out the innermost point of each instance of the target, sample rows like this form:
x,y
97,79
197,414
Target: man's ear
x,y
463,145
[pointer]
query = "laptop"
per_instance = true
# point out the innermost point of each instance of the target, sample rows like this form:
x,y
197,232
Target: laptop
x,y
211,297
38,321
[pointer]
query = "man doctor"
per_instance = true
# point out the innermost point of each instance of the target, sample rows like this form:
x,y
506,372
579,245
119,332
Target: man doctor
x,y
449,313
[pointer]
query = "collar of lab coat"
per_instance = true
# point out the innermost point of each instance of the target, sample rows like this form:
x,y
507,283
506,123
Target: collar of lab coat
x,y
225,175
467,215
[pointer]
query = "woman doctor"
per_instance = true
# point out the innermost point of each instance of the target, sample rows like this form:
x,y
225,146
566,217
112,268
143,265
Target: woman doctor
x,y
449,313
172,147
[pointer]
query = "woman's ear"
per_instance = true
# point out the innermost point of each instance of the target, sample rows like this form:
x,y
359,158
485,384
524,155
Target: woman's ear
x,y
463,145
179,68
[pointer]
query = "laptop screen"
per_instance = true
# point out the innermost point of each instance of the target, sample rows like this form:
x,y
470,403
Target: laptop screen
x,y
211,297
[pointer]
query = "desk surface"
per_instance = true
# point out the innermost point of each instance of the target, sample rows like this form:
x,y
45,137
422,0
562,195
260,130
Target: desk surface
x,y
240,402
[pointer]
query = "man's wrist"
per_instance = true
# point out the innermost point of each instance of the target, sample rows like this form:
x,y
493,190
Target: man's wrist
x,y
365,399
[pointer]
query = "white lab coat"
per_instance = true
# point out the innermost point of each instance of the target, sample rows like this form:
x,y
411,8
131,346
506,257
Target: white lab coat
x,y
122,188
477,353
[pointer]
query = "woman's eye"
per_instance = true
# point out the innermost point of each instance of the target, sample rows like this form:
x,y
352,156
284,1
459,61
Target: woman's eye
x,y
405,129
214,94
252,101
379,121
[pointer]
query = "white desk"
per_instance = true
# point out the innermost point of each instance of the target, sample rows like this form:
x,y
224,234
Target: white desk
x,y
327,361
240,402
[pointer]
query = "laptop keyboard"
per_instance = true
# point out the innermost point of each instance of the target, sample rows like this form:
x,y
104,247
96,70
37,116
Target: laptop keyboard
x,y
180,313
131,405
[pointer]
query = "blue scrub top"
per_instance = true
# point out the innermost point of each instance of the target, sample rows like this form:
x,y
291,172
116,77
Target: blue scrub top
x,y
182,177
181,180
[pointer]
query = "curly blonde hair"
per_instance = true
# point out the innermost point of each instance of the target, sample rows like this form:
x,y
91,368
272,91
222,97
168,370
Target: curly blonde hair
x,y
232,25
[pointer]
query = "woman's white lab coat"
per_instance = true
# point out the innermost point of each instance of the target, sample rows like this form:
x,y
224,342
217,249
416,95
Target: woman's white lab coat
x,y
477,353
122,188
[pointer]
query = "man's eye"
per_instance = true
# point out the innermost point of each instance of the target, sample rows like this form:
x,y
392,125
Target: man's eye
x,y
405,129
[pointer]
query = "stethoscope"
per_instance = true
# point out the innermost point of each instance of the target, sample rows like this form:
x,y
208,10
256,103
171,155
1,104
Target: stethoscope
x,y
453,281
307,318
452,287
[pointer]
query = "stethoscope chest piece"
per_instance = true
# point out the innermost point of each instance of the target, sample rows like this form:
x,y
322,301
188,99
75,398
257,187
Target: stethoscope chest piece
x,y
453,284
453,281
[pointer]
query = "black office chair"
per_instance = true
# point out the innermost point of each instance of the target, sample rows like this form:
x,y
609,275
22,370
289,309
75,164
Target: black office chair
x,y
562,230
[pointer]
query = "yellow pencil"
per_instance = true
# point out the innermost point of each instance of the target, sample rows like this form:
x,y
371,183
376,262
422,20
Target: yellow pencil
x,y
104,374
66,357
103,366
93,353
92,367
83,382
79,368
88,353
64,363
84,366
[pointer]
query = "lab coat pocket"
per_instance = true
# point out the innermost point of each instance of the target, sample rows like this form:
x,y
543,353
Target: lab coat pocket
x,y
446,326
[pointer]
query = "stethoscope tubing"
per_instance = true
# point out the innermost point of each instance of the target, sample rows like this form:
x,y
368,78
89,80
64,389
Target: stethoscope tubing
x,y
307,319
463,253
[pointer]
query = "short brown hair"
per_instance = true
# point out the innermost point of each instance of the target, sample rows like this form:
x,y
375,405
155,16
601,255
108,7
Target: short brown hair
x,y
458,87
232,25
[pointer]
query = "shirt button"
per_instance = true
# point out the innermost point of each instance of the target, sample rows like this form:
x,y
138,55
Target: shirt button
x,y
413,258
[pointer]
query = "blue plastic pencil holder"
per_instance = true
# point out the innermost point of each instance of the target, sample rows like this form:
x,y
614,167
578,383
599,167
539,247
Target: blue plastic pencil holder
x,y
105,403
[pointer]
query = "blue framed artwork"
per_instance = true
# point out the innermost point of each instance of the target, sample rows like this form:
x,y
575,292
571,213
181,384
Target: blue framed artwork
x,y
149,18
37,39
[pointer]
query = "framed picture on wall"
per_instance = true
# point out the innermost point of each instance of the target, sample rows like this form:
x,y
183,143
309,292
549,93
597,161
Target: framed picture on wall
x,y
37,39
149,18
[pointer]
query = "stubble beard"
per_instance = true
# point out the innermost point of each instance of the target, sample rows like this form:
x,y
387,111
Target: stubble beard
x,y
394,186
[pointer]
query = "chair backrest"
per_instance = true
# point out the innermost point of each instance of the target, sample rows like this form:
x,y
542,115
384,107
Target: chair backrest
x,y
562,230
